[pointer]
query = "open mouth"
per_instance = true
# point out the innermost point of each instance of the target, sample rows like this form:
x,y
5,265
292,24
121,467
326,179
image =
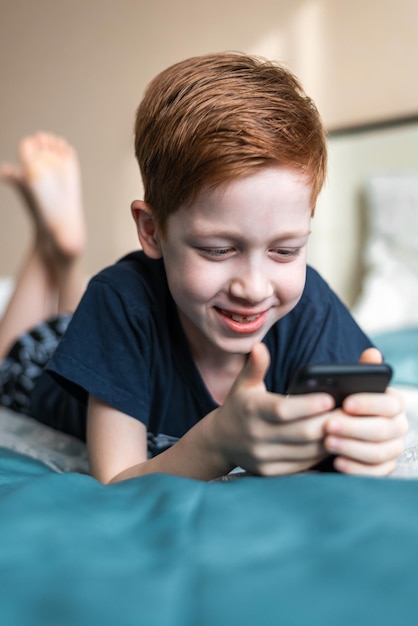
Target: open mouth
x,y
240,318
242,324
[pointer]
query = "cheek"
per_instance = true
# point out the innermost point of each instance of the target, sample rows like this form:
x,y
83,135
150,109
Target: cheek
x,y
190,283
293,284
203,284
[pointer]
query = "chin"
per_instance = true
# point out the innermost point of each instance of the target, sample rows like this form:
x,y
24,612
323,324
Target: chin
x,y
242,345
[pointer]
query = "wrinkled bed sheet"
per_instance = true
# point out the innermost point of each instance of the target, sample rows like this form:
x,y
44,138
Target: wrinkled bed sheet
x,y
166,551
161,550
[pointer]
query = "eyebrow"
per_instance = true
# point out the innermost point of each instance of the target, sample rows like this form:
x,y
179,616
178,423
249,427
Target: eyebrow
x,y
232,236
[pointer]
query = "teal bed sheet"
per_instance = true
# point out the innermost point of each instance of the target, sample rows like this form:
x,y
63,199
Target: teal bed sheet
x,y
166,551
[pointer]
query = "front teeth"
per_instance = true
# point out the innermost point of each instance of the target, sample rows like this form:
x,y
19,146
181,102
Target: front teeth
x,y
242,318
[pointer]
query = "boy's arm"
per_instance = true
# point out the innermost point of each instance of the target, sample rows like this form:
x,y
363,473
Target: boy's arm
x,y
264,433
117,446
114,440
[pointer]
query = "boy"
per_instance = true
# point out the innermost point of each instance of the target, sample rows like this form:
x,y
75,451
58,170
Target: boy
x,y
186,348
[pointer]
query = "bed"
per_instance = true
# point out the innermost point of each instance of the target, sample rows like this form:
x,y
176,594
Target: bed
x,y
161,550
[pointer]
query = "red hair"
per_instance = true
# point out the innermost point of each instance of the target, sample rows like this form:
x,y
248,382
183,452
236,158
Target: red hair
x,y
214,118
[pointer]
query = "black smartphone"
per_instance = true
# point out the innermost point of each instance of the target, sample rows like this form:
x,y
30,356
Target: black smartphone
x,y
341,379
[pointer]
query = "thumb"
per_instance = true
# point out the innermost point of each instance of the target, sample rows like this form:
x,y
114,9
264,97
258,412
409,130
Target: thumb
x,y
256,367
371,355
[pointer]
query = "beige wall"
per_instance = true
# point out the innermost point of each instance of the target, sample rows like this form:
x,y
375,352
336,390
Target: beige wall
x,y
79,67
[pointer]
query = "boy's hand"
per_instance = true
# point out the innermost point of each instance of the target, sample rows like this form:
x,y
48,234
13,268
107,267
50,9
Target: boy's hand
x,y
266,433
367,434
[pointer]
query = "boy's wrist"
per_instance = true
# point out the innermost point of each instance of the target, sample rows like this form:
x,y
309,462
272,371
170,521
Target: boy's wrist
x,y
214,448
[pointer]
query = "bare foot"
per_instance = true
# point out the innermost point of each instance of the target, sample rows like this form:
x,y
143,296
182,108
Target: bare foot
x,y
13,175
49,180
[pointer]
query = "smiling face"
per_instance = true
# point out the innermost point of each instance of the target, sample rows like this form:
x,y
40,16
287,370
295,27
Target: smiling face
x,y
236,259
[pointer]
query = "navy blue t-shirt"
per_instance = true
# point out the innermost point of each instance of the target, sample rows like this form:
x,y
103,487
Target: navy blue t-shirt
x,y
126,346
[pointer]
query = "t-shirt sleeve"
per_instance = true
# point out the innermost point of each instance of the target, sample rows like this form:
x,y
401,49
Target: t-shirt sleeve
x,y
106,352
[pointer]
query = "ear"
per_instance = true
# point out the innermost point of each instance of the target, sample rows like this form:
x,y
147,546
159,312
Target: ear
x,y
146,228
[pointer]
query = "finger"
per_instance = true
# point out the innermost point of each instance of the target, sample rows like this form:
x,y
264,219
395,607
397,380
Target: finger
x,y
371,355
370,453
294,407
296,431
385,404
279,409
272,452
281,468
348,466
256,367
367,428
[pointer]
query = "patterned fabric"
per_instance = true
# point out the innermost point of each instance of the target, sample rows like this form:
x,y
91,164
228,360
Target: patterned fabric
x,y
26,360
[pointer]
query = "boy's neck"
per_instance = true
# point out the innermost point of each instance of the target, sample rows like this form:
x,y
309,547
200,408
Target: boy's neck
x,y
220,374
217,368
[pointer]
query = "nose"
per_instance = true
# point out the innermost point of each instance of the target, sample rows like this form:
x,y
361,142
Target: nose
x,y
251,283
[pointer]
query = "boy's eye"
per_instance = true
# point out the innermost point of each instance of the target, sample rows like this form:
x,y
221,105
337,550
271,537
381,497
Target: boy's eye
x,y
286,253
216,253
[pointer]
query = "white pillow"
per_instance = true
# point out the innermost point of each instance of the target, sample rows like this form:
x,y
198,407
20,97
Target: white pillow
x,y
389,295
